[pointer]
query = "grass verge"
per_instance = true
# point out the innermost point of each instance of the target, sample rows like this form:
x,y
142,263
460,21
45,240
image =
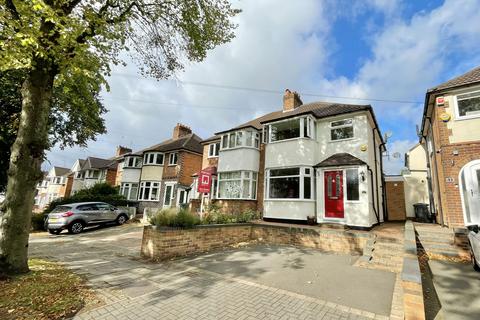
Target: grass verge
x,y
48,291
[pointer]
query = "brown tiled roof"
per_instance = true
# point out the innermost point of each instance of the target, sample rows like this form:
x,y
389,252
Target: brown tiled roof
x,y
471,77
212,138
190,142
317,109
340,159
97,163
60,171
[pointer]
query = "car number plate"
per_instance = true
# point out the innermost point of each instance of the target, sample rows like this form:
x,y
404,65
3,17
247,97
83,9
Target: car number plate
x,y
53,220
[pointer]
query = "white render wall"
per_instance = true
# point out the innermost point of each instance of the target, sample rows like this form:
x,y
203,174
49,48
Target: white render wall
x,y
289,209
239,159
131,175
296,152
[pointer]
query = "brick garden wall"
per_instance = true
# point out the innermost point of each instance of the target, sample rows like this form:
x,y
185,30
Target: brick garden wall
x,y
161,244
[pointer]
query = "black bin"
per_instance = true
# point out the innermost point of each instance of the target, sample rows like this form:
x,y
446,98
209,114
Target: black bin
x,y
422,213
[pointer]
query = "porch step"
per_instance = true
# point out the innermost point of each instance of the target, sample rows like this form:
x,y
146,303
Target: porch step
x,y
382,253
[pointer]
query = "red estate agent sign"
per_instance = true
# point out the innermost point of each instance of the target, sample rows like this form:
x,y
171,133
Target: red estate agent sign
x,y
204,181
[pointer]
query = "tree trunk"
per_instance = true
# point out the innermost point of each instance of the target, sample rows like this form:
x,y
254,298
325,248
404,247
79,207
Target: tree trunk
x,y
25,168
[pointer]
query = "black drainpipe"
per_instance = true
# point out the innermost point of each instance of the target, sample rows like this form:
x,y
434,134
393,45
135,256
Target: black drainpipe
x,y
373,194
384,195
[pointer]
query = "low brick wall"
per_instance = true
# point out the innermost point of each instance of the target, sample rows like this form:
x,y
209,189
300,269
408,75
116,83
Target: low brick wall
x,y
411,277
163,243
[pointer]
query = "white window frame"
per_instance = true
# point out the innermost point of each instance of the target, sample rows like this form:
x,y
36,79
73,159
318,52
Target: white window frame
x,y
214,149
173,159
143,185
146,158
186,195
128,186
310,134
243,176
137,162
302,174
352,124
240,135
345,184
457,111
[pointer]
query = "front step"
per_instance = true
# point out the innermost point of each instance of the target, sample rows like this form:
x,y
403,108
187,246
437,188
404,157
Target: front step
x,y
382,253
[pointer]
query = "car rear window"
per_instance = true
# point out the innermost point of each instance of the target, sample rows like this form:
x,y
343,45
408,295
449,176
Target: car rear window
x,y
61,209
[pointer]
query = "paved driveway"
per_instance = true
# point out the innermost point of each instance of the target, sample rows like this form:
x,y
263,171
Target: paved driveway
x,y
262,282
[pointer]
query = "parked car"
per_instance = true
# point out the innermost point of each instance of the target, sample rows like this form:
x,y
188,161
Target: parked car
x,y
474,239
76,216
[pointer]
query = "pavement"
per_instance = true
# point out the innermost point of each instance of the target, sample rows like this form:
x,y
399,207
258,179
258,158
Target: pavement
x,y
259,282
458,289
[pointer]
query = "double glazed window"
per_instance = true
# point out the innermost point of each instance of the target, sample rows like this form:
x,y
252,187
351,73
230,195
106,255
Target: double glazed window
x,y
132,162
242,138
173,160
468,105
237,185
290,183
129,190
153,158
341,129
291,129
213,149
353,193
149,191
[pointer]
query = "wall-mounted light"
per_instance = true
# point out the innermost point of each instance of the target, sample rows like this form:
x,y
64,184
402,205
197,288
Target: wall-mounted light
x,y
362,176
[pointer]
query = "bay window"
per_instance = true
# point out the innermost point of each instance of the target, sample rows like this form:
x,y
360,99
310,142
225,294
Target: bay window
x,y
153,158
290,183
468,105
149,191
237,185
241,138
129,190
302,127
132,162
341,129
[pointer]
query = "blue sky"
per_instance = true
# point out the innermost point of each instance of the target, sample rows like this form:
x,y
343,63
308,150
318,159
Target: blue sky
x,y
368,49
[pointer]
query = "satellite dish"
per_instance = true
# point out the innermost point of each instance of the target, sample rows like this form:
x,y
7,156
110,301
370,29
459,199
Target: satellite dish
x,y
397,155
388,134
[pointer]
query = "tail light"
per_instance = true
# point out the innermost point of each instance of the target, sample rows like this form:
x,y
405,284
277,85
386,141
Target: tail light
x,y
67,214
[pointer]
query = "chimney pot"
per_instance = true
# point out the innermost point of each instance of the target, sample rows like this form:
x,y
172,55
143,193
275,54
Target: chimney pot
x,y
291,100
122,150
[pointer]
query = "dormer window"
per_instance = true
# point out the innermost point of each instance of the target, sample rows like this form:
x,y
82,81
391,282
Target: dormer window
x,y
213,150
173,159
153,158
241,138
341,130
133,162
295,128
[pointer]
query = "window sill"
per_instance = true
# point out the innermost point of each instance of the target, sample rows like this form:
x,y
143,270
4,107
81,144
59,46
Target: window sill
x,y
462,118
172,165
340,140
292,139
212,157
149,200
237,148
152,164
238,199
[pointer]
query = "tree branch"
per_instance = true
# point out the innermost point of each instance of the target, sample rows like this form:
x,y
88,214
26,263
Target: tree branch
x,y
13,10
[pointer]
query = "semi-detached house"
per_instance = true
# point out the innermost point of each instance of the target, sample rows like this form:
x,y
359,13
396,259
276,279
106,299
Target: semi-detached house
x,y
320,160
160,176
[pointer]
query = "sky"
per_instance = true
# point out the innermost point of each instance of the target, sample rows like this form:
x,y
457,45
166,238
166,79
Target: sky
x,y
360,52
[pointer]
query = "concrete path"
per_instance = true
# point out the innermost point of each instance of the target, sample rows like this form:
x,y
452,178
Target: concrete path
x,y
458,289
248,283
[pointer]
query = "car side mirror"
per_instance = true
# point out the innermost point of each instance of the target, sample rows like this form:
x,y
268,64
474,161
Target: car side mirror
x,y
474,228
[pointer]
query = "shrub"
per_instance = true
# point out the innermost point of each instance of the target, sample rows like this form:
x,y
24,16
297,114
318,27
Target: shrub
x,y
175,218
38,221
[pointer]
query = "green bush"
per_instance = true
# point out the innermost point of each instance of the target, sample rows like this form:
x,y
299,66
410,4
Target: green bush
x,y
38,220
175,218
101,192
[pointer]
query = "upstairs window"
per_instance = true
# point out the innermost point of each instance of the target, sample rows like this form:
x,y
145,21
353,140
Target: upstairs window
x,y
242,138
133,162
213,150
341,129
153,158
173,159
468,105
291,129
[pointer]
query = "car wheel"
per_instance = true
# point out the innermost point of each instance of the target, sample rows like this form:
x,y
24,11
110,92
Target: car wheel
x,y
474,261
121,219
75,227
54,231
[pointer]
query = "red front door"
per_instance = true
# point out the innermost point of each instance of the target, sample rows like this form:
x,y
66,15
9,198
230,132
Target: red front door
x,y
334,194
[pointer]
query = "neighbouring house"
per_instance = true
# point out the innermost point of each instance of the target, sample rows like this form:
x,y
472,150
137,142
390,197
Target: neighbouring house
x,y
320,160
52,187
165,176
415,178
450,133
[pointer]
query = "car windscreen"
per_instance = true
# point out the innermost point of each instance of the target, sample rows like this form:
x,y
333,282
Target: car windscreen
x,y
61,209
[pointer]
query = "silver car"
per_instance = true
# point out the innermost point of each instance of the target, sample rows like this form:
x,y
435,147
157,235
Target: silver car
x,y
76,216
474,239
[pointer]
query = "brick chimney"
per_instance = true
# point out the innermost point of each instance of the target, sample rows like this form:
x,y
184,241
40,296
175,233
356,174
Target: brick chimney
x,y
291,100
181,130
122,150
